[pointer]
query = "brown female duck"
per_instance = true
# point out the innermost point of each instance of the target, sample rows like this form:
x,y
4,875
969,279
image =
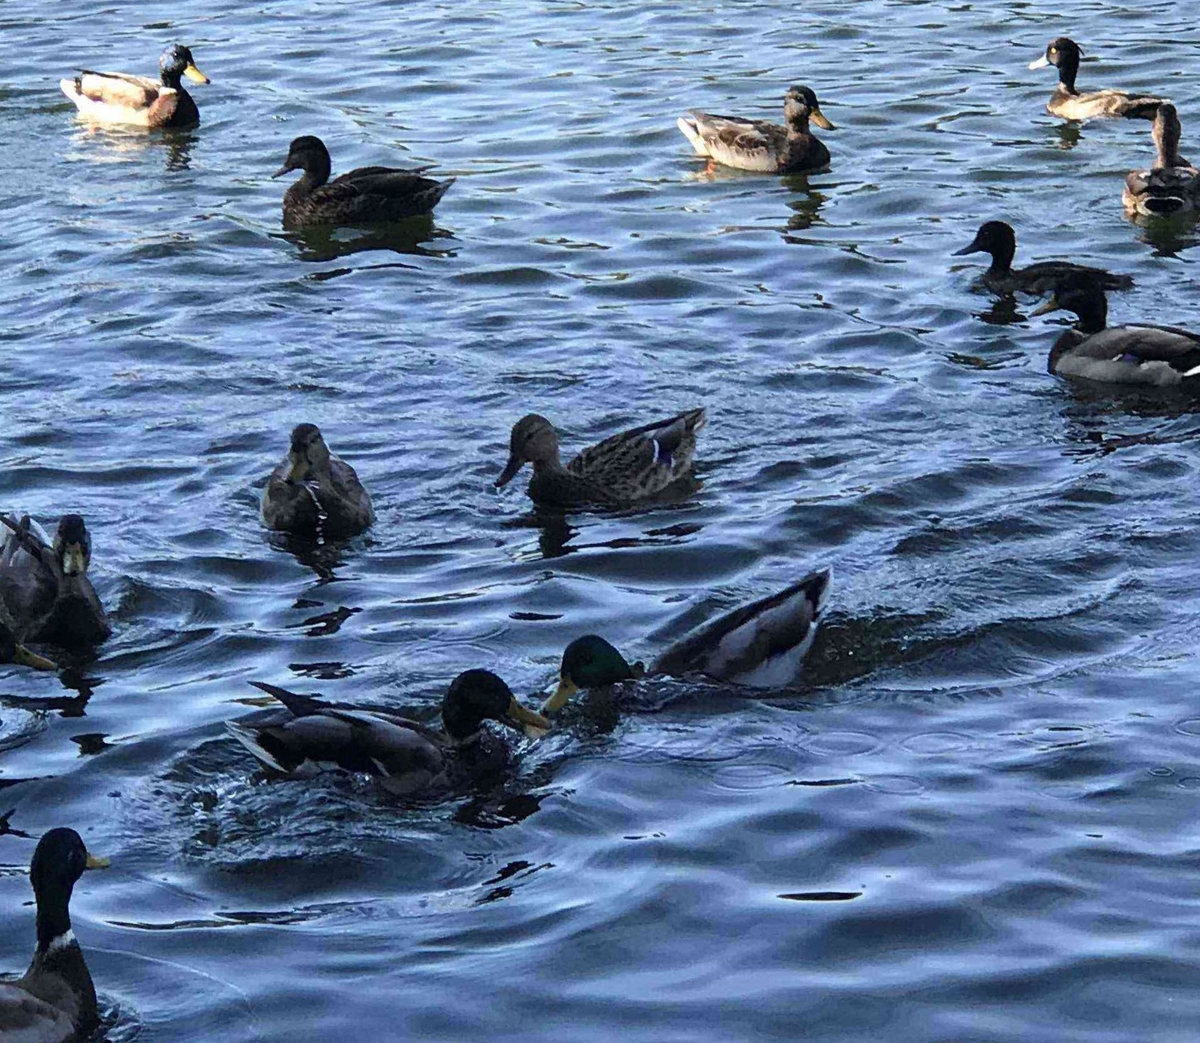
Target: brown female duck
x,y
998,239
1172,185
627,468
365,196
314,494
759,144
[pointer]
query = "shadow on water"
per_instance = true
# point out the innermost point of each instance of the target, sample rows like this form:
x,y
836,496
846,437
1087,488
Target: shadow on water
x,y
107,144
330,242
1069,134
1167,236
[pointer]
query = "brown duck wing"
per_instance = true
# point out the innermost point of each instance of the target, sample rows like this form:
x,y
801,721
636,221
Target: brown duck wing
x,y
639,463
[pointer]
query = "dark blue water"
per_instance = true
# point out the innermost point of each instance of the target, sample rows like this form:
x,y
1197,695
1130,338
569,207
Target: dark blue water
x,y
975,823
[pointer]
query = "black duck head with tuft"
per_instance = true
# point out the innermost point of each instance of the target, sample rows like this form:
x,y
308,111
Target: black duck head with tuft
x,y
590,662
1064,54
476,696
800,105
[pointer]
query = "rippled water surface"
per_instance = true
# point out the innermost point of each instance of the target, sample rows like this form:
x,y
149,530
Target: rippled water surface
x,y
974,823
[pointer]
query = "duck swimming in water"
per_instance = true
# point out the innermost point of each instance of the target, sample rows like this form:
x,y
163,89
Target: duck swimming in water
x,y
1172,185
761,645
365,196
45,584
624,469
1161,356
759,144
311,736
121,98
998,239
314,494
55,1001
1071,104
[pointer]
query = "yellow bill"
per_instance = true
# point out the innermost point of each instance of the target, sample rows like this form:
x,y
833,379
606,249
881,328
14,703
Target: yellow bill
x,y
523,715
1051,305
194,74
562,694
97,862
23,657
819,118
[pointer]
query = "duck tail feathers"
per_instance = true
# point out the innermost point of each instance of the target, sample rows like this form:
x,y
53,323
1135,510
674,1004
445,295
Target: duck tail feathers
x,y
248,737
299,705
691,130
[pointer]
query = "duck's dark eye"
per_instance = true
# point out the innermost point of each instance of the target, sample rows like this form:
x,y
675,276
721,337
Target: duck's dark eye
x,y
1054,50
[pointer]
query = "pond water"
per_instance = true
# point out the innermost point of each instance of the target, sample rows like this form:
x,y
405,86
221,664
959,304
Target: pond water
x,y
975,820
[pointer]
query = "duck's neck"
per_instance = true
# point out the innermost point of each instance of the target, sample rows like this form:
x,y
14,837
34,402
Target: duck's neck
x,y
1068,69
1094,318
58,955
314,177
1168,150
797,129
548,465
172,78
1002,257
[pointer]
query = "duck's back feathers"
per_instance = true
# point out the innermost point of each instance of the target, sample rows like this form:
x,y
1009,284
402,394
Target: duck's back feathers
x,y
1162,191
310,737
761,644
1102,104
758,145
638,464
369,195
1043,276
1156,355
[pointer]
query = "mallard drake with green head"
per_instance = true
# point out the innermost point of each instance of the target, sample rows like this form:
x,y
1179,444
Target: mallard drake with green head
x,y
55,1001
365,196
118,97
1070,104
1162,356
998,239
314,494
45,584
1172,185
625,469
761,645
311,736
759,144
